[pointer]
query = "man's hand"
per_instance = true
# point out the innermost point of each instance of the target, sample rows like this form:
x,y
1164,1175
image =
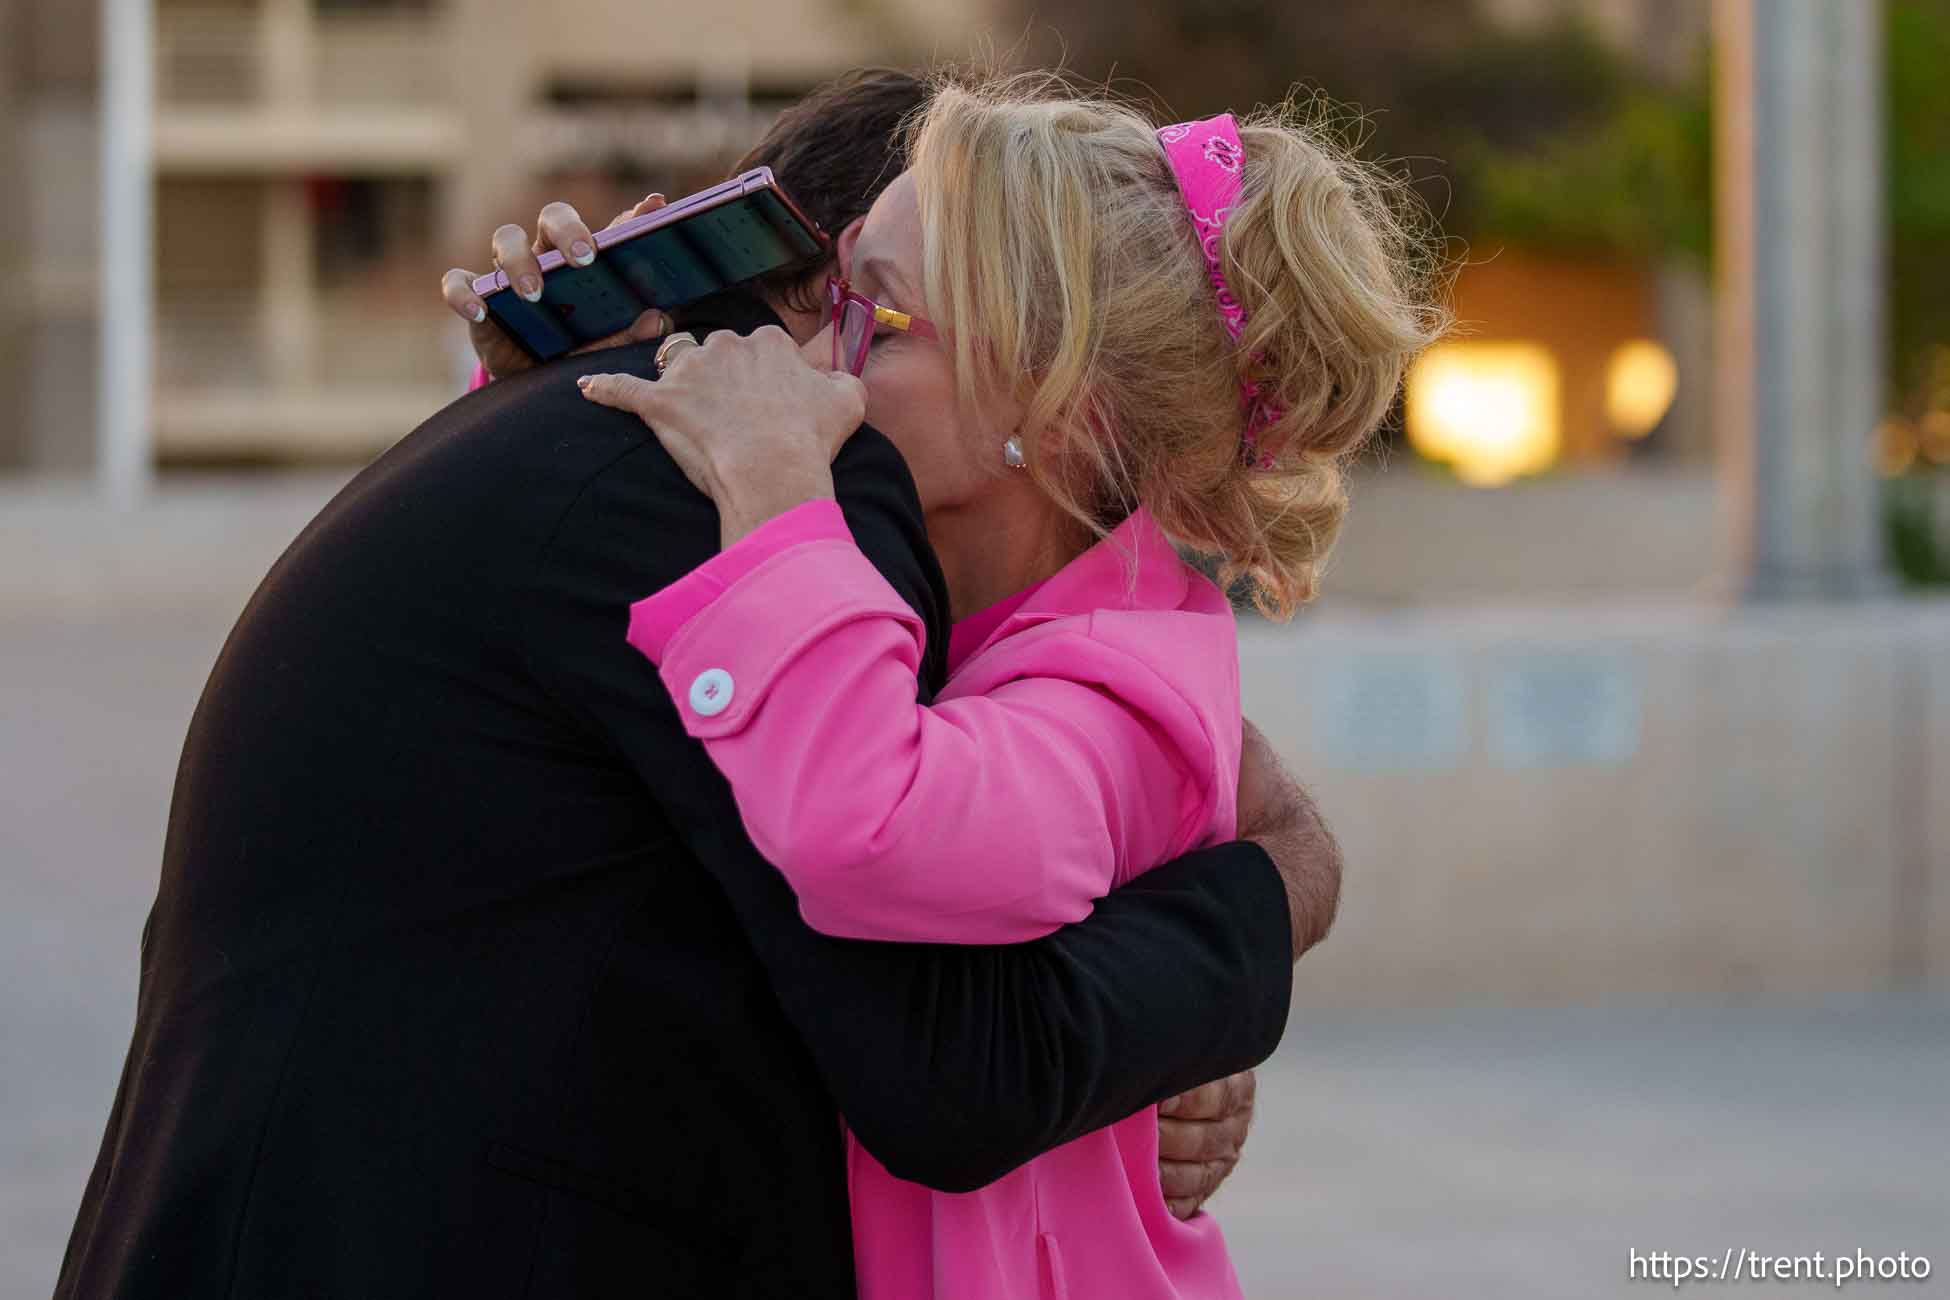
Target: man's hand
x,y
1200,1135
1276,814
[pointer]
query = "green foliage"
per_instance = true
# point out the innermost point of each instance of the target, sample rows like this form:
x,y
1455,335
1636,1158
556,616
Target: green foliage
x,y
1511,87
1918,161
1556,140
1912,443
1919,184
1910,528
1639,181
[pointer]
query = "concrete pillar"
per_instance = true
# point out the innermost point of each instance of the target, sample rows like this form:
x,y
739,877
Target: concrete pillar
x,y
124,462
15,308
1683,299
1800,268
288,296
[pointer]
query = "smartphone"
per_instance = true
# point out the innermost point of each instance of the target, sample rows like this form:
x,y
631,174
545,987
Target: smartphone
x,y
746,227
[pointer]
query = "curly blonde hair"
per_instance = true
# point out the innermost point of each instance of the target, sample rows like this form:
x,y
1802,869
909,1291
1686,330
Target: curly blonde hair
x,y
1062,262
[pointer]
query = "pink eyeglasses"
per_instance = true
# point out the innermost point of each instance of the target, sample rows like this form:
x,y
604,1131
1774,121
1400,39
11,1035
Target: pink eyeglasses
x,y
854,318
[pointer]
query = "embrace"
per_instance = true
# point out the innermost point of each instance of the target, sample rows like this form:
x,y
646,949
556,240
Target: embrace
x,y
765,810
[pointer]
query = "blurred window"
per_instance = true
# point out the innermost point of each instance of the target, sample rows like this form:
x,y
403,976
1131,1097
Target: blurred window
x,y
365,223
213,230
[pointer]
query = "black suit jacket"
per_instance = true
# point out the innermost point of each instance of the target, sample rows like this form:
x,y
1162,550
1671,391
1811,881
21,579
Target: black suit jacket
x,y
463,979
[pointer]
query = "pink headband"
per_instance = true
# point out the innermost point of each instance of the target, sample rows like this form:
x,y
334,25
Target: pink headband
x,y
1205,157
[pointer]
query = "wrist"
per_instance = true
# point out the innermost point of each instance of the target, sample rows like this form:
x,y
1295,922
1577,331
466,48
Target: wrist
x,y
753,498
1308,862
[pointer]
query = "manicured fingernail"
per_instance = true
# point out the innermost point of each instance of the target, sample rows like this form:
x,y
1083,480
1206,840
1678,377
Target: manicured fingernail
x,y
530,288
477,313
581,253
584,382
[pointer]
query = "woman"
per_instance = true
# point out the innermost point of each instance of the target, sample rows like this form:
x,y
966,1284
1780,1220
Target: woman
x,y
1084,333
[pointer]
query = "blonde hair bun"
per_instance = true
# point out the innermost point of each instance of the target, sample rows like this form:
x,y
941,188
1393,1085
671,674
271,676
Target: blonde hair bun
x,y
1061,259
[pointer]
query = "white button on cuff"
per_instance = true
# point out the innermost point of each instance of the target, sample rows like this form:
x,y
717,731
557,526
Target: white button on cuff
x,y
711,692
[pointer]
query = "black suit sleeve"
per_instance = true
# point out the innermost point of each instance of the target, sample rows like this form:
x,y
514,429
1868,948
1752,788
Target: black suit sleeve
x,y
953,1064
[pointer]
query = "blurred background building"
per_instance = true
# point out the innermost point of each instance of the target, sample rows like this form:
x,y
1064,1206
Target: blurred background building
x,y
318,162
1630,683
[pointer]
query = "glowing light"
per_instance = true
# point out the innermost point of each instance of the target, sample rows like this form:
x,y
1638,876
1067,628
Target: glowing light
x,y
1640,381
1895,447
1935,439
1489,410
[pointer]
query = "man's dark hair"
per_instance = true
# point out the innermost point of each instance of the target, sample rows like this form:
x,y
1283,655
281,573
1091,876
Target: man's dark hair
x,y
835,151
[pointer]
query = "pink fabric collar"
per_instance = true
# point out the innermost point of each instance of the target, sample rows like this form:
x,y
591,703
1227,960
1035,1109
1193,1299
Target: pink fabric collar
x,y
1205,158
1136,567
967,636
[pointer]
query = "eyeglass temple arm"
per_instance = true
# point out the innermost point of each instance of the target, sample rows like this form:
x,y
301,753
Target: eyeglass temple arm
x,y
900,320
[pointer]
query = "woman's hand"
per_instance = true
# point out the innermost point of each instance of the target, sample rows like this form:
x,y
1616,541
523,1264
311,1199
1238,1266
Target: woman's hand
x,y
559,226
748,421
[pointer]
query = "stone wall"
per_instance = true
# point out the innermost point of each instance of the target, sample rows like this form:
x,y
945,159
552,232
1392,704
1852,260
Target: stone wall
x,y
1611,802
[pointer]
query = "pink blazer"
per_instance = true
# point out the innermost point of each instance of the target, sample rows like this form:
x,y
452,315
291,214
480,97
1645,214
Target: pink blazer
x,y
1092,735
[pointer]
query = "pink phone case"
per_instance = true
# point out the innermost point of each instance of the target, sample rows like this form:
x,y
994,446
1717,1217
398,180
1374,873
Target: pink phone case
x,y
759,178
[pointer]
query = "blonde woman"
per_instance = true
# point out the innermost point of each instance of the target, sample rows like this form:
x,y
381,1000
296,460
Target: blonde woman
x,y
1086,334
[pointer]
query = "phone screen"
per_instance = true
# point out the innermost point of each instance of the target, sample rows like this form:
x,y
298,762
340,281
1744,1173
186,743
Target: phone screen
x,y
589,302
666,267
535,329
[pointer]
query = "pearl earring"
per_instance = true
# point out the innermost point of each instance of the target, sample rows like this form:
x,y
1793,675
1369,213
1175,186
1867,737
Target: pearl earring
x,y
1012,453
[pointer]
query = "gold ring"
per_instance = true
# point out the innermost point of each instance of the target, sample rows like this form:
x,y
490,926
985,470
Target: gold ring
x,y
668,349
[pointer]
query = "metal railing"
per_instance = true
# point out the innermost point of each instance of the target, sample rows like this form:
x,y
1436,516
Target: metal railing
x,y
229,345
221,58
208,57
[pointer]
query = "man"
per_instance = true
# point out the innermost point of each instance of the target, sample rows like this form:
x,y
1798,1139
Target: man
x,y
463,978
